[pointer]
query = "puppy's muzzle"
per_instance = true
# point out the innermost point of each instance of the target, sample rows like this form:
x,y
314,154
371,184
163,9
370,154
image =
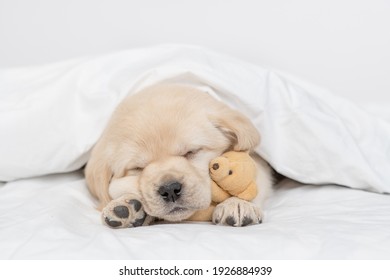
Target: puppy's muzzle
x,y
171,191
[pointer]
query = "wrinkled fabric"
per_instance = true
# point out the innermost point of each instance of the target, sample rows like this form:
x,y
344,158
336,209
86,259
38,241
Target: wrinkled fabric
x,y
53,217
51,116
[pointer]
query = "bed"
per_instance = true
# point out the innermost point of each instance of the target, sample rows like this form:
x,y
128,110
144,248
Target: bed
x,y
53,217
333,204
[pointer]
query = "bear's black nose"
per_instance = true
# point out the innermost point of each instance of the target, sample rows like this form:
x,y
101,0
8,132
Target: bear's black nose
x,y
215,166
170,192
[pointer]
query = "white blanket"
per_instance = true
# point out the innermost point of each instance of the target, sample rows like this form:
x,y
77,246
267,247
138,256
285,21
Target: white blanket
x,y
51,116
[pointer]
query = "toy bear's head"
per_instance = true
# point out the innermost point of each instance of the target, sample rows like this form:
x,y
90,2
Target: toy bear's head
x,y
233,171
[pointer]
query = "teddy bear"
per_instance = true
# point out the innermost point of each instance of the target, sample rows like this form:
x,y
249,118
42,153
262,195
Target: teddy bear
x,y
232,174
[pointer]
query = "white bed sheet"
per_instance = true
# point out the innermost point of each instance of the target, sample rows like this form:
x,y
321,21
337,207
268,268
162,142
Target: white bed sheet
x,y
53,217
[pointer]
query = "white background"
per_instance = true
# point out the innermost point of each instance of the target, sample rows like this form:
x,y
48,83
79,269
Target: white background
x,y
342,45
109,269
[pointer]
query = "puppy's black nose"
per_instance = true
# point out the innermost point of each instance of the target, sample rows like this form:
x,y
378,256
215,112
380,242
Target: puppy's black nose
x,y
215,166
170,192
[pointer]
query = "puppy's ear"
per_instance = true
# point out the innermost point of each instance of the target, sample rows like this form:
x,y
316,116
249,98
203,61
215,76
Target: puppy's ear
x,y
238,128
98,175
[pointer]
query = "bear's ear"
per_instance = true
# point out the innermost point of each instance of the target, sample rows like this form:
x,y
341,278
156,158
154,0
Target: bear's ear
x,y
242,134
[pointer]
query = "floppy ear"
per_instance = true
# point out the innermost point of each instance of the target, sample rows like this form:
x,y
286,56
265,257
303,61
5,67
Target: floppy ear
x,y
98,175
238,128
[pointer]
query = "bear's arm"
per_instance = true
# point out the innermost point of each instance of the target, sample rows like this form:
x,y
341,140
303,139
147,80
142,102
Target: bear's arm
x,y
204,215
217,194
249,193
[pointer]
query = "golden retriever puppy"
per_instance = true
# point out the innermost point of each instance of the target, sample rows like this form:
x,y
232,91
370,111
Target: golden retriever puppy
x,y
152,159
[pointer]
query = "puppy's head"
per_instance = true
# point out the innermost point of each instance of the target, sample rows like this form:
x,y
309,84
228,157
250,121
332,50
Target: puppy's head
x,y
167,135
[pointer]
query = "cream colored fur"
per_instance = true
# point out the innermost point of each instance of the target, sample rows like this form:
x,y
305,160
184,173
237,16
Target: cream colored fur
x,y
163,133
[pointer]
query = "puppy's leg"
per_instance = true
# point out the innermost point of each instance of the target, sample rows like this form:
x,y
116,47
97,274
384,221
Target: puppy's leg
x,y
125,211
237,212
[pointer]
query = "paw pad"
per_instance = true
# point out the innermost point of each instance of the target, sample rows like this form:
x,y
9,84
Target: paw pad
x,y
136,204
112,223
121,211
139,222
246,221
230,221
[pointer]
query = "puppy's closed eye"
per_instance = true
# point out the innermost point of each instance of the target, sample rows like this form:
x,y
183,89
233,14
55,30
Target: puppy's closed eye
x,y
191,153
138,169
134,171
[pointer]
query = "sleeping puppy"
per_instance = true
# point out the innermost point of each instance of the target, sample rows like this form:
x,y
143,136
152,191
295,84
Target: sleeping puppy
x,y
152,159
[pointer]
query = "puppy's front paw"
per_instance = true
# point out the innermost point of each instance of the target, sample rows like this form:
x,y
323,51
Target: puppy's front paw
x,y
125,212
237,212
